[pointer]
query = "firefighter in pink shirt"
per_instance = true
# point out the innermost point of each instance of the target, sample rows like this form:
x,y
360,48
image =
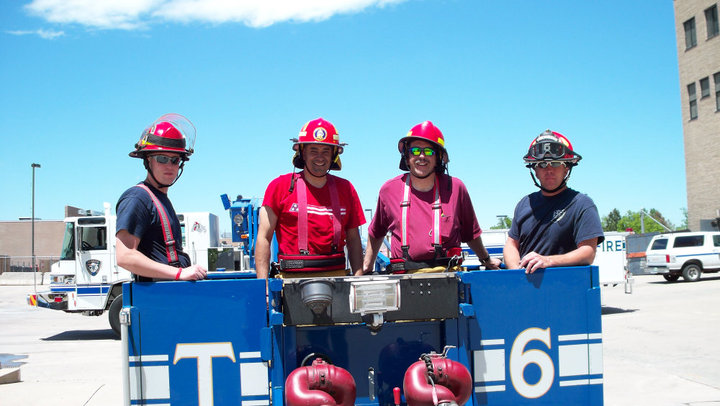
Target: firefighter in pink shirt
x,y
428,212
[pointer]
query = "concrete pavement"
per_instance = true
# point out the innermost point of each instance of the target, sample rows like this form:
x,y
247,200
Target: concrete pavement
x,y
660,343
69,359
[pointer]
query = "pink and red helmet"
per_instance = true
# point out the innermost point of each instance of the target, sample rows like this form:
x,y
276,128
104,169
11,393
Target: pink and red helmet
x,y
551,146
426,131
169,133
318,131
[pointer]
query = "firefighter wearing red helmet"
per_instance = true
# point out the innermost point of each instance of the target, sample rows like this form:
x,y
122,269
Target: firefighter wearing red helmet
x,y
556,226
148,238
428,212
318,132
314,215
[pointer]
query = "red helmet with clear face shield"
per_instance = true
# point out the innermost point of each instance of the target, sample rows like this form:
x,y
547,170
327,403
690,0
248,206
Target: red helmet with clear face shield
x,y
551,146
169,133
318,131
426,131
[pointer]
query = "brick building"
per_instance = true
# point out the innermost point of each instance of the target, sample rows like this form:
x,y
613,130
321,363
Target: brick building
x,y
698,45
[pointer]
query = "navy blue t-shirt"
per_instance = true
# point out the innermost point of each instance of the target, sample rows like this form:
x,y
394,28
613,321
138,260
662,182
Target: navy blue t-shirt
x,y
137,214
554,225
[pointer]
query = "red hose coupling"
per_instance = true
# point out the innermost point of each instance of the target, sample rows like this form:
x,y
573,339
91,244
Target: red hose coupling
x,y
320,384
452,383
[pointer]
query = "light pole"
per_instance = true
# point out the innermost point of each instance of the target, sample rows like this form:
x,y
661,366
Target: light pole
x,y
501,219
367,225
32,220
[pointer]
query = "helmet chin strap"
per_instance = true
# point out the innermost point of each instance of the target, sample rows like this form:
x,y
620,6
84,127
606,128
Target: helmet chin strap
x,y
332,161
546,190
313,174
305,168
439,170
162,185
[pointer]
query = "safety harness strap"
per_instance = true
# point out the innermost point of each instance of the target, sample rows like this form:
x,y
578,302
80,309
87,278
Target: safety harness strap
x,y
170,251
336,214
304,261
303,215
404,205
437,211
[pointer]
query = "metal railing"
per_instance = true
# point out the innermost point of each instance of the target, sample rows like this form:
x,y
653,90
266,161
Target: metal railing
x,y
24,263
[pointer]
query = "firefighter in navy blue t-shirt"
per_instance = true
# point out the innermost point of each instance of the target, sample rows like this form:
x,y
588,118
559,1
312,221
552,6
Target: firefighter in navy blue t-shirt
x,y
148,238
556,226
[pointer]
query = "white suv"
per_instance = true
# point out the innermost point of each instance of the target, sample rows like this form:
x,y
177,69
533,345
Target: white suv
x,y
686,253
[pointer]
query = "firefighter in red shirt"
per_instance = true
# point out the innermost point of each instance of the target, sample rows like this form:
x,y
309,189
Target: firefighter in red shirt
x,y
314,215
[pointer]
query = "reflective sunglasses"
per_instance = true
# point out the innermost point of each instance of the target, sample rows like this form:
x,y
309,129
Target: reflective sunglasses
x,y
545,164
542,150
427,151
162,159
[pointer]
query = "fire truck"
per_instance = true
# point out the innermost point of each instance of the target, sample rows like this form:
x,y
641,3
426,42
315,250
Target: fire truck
x,y
476,337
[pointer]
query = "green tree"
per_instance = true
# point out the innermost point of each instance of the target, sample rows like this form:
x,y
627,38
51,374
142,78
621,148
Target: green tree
x,y
632,219
684,224
610,222
503,223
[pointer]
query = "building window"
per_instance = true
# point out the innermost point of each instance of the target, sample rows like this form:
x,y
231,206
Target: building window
x,y
711,17
692,97
704,88
717,91
690,38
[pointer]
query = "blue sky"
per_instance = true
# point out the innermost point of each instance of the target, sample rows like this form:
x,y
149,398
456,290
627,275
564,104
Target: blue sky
x,y
80,80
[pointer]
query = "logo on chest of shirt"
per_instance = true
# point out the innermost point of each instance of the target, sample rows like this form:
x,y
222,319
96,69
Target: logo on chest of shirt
x,y
319,210
558,215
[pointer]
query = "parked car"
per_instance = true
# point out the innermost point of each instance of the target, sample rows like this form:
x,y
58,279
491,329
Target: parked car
x,y
686,254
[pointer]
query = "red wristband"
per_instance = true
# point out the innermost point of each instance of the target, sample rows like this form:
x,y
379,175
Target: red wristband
x,y
177,277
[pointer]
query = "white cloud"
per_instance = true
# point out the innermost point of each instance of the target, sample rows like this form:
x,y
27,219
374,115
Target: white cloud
x,y
41,33
133,14
104,14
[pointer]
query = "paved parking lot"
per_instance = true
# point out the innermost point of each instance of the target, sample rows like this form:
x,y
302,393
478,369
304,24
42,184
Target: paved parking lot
x,y
71,359
660,348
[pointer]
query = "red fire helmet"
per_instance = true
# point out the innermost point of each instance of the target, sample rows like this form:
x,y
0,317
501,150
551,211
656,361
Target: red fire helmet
x,y
318,131
426,131
169,133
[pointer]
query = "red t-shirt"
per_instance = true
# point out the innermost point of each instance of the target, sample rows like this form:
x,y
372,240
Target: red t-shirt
x,y
320,221
457,222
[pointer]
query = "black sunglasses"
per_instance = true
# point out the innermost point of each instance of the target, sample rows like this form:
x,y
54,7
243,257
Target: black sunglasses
x,y
162,159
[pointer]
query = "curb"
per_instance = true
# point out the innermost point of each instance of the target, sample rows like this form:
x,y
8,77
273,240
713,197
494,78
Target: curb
x,y
22,278
9,375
